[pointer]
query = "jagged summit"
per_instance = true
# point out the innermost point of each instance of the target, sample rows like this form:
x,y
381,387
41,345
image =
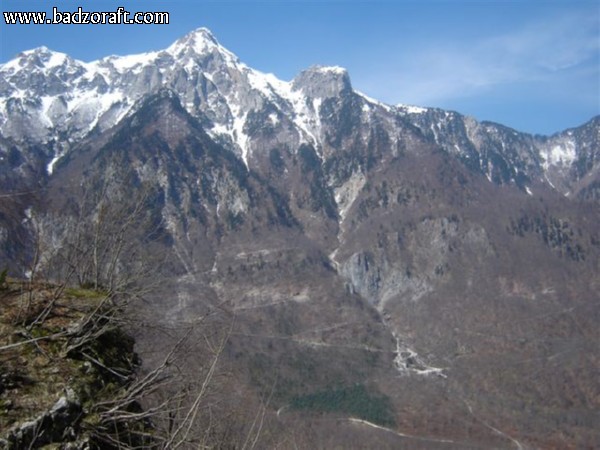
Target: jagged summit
x,y
39,57
41,50
200,35
200,41
323,81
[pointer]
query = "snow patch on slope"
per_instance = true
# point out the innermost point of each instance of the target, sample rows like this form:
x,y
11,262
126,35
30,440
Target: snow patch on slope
x,y
337,70
346,194
407,361
124,63
372,101
56,59
410,109
561,153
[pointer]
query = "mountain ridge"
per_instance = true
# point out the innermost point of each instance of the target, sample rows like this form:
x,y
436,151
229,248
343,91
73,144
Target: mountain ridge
x,y
100,103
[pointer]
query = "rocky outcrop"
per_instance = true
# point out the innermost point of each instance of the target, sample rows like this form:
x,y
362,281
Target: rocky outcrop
x,y
59,424
57,372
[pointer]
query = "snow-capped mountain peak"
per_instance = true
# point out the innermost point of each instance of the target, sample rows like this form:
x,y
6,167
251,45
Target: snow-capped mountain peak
x,y
200,40
40,58
198,44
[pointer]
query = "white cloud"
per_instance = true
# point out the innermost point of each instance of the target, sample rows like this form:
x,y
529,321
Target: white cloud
x,y
440,71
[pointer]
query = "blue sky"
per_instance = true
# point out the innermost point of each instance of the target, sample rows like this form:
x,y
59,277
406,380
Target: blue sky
x,y
532,65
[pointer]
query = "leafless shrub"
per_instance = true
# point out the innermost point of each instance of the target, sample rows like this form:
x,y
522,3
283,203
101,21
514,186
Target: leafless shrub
x,y
104,241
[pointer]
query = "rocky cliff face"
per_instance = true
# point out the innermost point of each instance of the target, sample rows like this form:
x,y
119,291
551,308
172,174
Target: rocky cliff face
x,y
433,257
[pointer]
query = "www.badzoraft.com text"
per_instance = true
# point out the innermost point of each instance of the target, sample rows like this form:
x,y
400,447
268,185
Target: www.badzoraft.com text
x,y
81,17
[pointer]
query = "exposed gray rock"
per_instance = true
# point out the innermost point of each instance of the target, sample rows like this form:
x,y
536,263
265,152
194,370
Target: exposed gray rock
x,y
56,425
